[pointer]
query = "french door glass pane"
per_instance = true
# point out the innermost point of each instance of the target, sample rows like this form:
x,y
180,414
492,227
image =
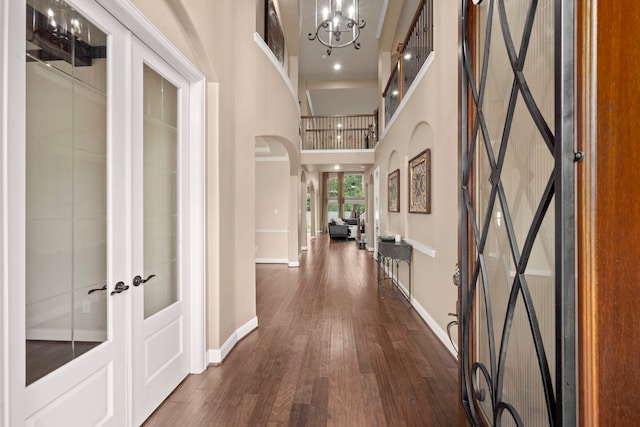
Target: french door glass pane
x,y
160,192
66,186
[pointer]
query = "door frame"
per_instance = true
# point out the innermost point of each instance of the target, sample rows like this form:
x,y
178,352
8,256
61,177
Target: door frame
x,y
607,212
13,129
12,198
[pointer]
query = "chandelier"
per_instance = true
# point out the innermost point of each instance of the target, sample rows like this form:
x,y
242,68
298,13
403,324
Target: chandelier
x,y
337,26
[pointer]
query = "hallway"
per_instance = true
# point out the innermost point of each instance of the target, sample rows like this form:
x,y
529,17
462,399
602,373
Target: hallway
x,y
328,351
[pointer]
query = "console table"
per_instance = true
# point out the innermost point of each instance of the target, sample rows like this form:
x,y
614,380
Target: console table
x,y
390,255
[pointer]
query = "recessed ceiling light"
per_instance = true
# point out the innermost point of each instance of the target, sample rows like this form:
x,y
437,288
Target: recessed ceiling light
x,y
339,125
394,93
407,56
339,137
336,167
337,67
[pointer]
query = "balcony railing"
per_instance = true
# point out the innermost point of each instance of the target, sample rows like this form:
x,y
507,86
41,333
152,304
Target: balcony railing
x,y
357,132
274,36
412,54
392,94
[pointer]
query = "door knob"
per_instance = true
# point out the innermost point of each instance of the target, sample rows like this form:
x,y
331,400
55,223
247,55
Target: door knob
x,y
138,280
120,287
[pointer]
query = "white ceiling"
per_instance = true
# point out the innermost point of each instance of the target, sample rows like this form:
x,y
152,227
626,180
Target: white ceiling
x,y
327,102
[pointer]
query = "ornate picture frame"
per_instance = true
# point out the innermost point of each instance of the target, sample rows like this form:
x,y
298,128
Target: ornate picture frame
x,y
420,183
393,191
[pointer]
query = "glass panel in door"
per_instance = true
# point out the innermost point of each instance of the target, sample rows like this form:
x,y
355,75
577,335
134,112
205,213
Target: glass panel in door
x,y
160,192
509,372
66,186
527,167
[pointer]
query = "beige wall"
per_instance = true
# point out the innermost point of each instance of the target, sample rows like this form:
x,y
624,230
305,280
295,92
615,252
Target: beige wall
x,y
242,103
429,120
272,210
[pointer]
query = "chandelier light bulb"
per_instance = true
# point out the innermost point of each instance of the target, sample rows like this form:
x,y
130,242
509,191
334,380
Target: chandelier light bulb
x,y
338,5
325,14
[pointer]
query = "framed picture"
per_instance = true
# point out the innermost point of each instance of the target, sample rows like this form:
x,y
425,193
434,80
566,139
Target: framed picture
x,y
394,191
420,183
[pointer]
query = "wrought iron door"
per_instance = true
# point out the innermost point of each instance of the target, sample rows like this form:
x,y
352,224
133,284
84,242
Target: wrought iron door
x,y
517,296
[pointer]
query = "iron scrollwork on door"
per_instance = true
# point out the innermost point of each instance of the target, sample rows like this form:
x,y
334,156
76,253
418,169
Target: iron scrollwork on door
x,y
517,296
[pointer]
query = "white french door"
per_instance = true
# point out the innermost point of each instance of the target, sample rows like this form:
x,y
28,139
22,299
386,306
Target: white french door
x,y
104,183
73,305
160,155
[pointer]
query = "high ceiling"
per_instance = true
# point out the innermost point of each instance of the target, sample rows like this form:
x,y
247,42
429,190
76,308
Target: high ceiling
x,y
354,88
356,65
362,64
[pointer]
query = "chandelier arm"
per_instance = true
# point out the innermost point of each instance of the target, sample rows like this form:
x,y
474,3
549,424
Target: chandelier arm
x,y
337,26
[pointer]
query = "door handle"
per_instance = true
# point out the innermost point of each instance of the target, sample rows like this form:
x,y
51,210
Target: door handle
x,y
104,288
120,287
138,280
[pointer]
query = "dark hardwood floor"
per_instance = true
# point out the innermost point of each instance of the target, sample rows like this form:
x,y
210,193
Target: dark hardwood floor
x,y
329,351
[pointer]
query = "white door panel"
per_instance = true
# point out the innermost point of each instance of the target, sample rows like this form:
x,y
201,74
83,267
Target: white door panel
x,y
93,395
160,154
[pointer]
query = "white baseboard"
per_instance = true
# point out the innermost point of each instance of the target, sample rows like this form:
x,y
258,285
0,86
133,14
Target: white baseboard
x,y
218,355
430,321
277,261
271,261
294,264
440,333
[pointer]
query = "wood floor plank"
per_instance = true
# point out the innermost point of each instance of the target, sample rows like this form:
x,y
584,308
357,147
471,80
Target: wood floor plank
x,y
329,351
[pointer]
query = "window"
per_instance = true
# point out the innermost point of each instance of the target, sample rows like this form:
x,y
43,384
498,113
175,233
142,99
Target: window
x,y
353,196
353,191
